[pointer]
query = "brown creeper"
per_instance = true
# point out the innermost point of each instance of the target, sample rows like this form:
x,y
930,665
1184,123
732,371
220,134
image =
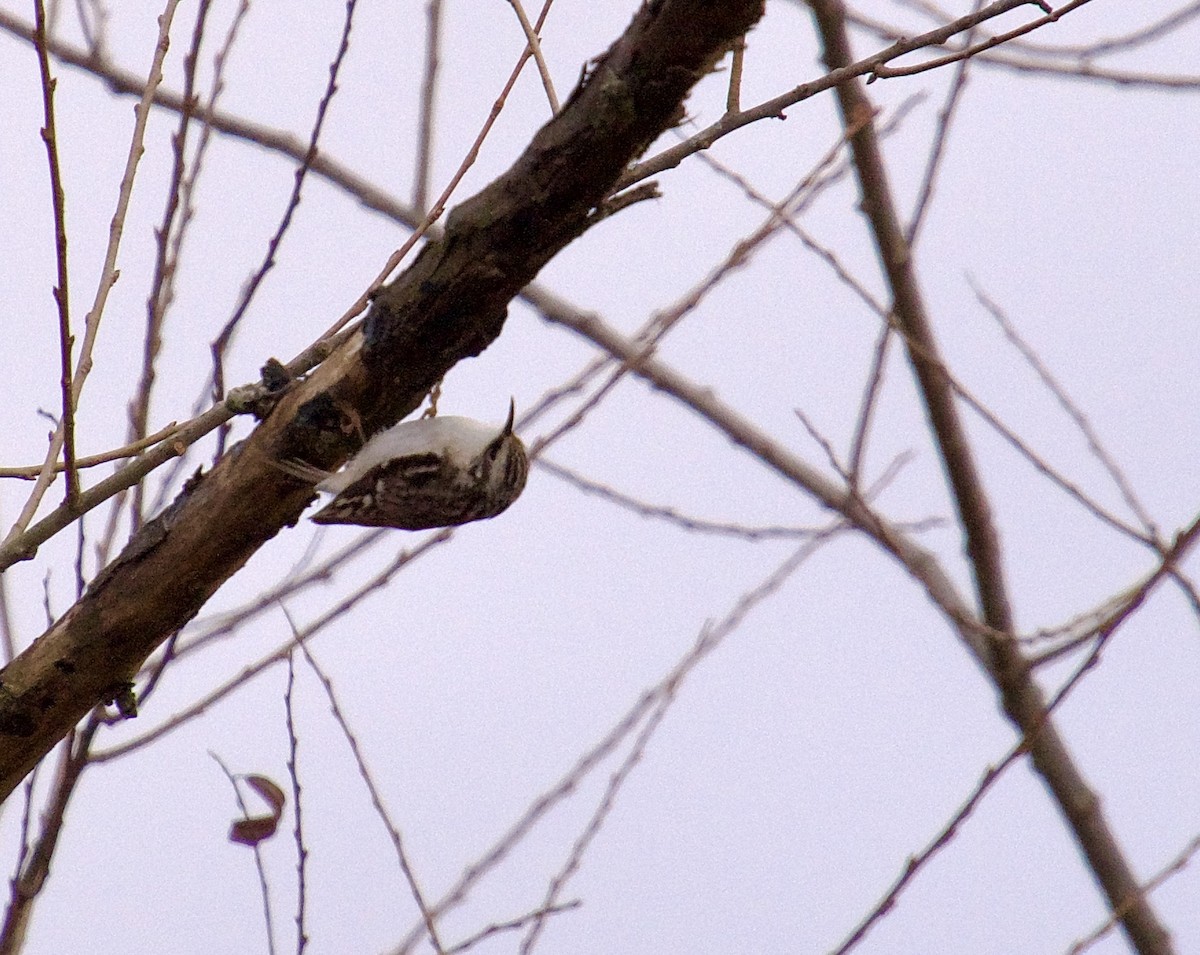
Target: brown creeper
x,y
433,472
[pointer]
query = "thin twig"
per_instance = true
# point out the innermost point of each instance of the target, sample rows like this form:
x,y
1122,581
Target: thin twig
x,y
709,638
433,43
298,828
497,928
24,546
427,221
227,624
8,637
779,215
27,886
918,562
868,403
259,864
364,773
1073,412
62,297
733,95
31,471
774,108
250,289
535,46
954,96
162,283
601,813
108,275
1025,57
946,834
1052,16
1184,542
1173,867
1121,43
917,862
1125,79
671,515
280,654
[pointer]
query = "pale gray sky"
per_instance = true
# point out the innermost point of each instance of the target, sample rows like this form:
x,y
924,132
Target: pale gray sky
x,y
835,730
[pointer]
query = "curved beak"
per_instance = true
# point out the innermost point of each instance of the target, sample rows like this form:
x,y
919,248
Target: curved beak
x,y
512,414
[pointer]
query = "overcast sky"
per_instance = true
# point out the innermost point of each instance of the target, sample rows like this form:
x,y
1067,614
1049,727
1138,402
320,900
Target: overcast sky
x,y
836,728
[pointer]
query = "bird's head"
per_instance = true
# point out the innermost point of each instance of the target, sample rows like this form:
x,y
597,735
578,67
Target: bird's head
x,y
503,465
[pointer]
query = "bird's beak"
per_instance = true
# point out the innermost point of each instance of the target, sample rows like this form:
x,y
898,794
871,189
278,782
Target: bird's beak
x,y
512,414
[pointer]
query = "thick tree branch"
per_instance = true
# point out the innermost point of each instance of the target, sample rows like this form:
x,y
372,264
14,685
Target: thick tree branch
x,y
449,305
1022,699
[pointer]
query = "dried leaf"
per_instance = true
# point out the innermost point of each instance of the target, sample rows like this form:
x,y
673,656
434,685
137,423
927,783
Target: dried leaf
x,y
250,832
254,829
269,791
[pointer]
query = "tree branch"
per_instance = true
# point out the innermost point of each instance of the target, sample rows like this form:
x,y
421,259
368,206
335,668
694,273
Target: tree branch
x,y
449,305
1022,699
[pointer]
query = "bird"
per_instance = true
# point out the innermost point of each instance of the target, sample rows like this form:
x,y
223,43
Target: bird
x,y
416,475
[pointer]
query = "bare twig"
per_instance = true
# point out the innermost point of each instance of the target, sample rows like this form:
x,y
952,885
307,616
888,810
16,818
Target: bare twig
x,y
774,108
866,406
8,640
671,515
61,293
1025,57
108,276
1173,867
958,84
424,223
213,630
298,827
1073,411
535,47
497,928
595,823
166,261
1023,701
31,879
30,472
1104,631
733,96
710,637
1155,30
250,289
780,215
24,546
263,887
917,862
1127,79
428,915
280,654
1052,16
1185,541
433,43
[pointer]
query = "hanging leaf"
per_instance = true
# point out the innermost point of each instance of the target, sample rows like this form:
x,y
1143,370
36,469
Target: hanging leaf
x,y
254,829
